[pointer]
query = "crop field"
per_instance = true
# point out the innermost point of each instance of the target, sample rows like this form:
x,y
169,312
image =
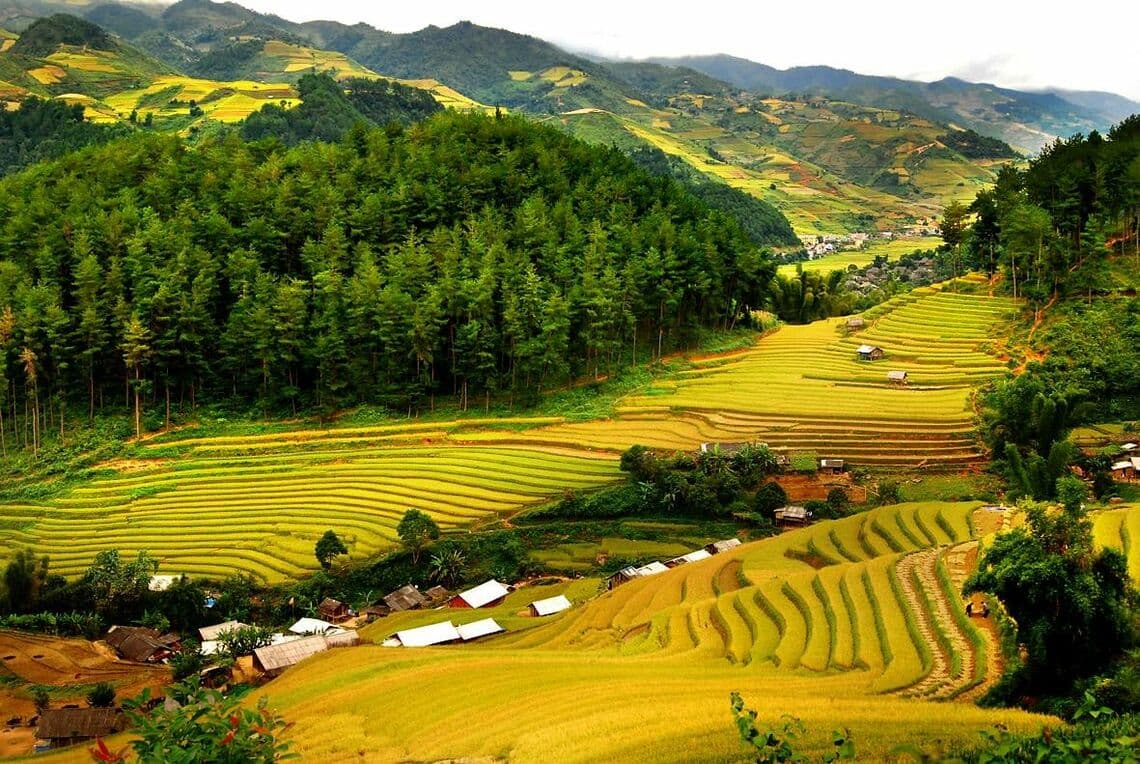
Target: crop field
x,y
211,516
867,640
892,249
224,101
282,58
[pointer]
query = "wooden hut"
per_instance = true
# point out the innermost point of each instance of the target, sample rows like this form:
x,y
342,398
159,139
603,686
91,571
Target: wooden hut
x,y
855,323
834,466
405,598
869,352
59,727
334,611
897,377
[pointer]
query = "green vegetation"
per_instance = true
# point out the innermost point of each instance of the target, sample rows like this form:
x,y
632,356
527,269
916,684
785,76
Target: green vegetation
x,y
45,35
41,130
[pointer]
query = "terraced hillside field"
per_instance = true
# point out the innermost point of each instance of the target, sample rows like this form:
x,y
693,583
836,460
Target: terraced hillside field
x,y
867,633
214,515
892,249
803,389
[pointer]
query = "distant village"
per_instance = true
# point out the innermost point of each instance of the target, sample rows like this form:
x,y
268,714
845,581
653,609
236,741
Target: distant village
x,y
821,245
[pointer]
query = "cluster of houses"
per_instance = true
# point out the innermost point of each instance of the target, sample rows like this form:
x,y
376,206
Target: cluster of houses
x,y
631,572
818,246
485,595
1127,466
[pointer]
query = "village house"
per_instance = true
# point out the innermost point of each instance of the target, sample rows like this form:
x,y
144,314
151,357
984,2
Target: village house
x,y
424,636
629,573
211,633
312,626
486,594
140,644
274,659
405,598
59,727
334,611
549,606
869,352
477,629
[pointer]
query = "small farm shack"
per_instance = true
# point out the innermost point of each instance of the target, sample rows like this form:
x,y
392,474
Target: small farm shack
x,y
477,629
486,594
869,352
549,606
897,377
793,513
59,727
834,466
311,626
425,636
274,659
854,323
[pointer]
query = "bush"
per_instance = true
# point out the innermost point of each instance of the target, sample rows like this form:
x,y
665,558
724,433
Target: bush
x,y
101,695
839,501
889,492
769,497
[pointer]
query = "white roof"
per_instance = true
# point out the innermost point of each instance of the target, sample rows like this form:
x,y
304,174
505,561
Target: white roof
x,y
866,348
484,593
1128,447
725,545
551,605
651,569
896,375
211,633
433,634
1124,465
311,626
210,647
469,631
699,554
161,583
280,639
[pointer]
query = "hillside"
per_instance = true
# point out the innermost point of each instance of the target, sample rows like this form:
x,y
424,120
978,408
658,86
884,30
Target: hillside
x,y
1026,120
267,479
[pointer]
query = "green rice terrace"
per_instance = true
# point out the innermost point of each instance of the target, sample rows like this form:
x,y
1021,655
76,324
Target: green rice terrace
x,y
211,505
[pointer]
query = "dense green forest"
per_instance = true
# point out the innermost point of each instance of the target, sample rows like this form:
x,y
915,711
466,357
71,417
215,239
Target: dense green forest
x,y
1047,227
42,129
465,256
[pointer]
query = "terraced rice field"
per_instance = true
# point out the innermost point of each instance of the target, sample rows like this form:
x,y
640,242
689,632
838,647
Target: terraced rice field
x,y
262,513
869,639
892,249
802,389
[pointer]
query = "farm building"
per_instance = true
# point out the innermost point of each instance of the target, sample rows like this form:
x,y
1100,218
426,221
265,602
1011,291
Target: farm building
x,y
630,573
405,598
856,322
437,595
792,514
274,659
700,554
550,605
1125,469
897,377
334,611
869,352
486,594
717,547
477,629
60,727
140,644
834,466
425,636
311,626
211,633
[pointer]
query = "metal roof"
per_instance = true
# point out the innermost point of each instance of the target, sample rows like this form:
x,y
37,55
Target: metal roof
x,y
424,636
792,512
476,629
211,633
551,605
700,554
1123,465
277,657
830,462
651,569
724,546
896,375
311,626
867,348
484,594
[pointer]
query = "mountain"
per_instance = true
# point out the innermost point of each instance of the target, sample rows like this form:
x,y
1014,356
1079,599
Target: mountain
x,y
1026,120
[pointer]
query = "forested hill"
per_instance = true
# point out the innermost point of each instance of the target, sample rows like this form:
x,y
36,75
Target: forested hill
x,y
466,254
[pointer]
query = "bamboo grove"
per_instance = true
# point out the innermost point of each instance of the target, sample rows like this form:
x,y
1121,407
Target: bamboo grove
x,y
466,256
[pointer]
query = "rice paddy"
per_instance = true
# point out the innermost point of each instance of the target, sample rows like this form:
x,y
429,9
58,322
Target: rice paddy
x,y
892,249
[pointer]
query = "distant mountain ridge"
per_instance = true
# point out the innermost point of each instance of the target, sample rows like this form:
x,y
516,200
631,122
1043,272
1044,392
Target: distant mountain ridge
x,y
1027,120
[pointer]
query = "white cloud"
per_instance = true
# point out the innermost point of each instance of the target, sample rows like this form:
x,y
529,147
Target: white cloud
x,y
1014,43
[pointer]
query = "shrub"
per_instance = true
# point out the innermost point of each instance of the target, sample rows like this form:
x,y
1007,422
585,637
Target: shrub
x,y
101,695
770,497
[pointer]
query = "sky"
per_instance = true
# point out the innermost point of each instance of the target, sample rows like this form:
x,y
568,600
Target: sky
x,y
1026,45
